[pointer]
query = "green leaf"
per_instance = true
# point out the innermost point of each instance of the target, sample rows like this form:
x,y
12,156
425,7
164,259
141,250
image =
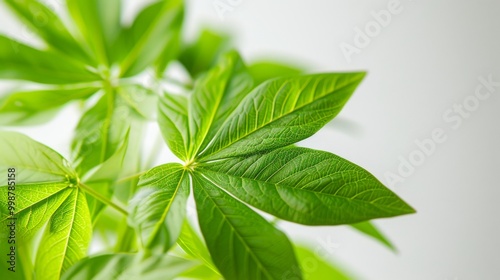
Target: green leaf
x,y
153,37
22,62
48,26
158,209
371,230
66,237
45,191
134,164
141,101
128,267
306,186
98,23
100,132
200,55
36,203
280,112
174,123
109,170
243,245
201,272
315,267
27,106
214,97
266,70
35,162
102,178
192,244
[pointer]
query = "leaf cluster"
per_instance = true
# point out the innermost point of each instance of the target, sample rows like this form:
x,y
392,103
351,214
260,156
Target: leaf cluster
x,y
233,126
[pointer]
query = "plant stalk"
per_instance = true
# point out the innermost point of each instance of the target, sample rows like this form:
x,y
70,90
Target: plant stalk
x,y
103,199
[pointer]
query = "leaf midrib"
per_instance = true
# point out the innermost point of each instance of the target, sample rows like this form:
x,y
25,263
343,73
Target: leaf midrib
x,y
212,116
276,186
204,158
72,223
167,209
37,202
34,167
233,229
131,58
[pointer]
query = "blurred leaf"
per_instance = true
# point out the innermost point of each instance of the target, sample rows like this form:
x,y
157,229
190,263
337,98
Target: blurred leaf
x,y
128,267
99,23
369,229
153,37
109,170
102,178
263,71
100,132
314,267
23,266
201,272
27,106
200,55
48,26
141,101
22,62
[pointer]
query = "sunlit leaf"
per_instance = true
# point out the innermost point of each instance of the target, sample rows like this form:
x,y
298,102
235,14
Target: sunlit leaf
x,y
306,186
66,237
202,54
46,191
158,209
214,97
280,112
243,245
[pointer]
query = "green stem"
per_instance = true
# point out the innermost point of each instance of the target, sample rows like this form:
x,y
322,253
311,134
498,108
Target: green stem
x,y
109,92
103,199
131,177
127,234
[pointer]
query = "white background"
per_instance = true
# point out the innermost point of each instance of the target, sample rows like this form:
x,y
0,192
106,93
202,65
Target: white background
x,y
428,58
